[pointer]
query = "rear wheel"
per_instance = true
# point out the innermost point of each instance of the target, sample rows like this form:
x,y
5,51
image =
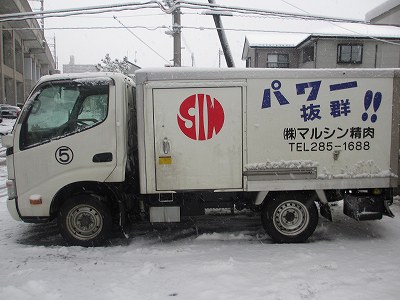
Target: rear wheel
x,y
85,221
290,217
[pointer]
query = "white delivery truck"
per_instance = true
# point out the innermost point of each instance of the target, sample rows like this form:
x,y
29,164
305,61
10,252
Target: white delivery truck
x,y
93,150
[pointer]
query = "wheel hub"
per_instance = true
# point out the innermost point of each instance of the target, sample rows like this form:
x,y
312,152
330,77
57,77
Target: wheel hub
x,y
84,222
291,217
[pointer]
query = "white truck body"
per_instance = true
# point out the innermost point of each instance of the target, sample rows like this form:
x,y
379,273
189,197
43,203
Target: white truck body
x,y
281,129
81,145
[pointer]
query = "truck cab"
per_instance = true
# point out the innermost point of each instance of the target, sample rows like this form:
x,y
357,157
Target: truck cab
x,y
70,137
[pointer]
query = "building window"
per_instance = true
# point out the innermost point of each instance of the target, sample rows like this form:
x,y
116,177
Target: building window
x,y
248,62
349,54
308,54
278,61
8,52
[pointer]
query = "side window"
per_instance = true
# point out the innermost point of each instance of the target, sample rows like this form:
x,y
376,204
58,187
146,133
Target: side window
x,y
349,54
94,108
308,54
278,61
60,110
51,108
248,62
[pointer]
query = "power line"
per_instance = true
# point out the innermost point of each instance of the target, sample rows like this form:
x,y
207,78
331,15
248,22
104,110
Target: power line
x,y
292,5
77,11
121,16
341,27
225,8
158,54
200,28
94,28
359,35
178,4
188,5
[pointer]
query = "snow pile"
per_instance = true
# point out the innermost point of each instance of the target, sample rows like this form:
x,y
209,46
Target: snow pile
x,y
282,164
232,259
224,237
362,169
6,126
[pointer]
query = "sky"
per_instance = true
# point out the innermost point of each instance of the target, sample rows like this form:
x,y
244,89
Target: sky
x,y
89,46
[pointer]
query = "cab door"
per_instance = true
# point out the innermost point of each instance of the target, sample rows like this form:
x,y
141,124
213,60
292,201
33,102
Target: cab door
x,y
65,135
198,138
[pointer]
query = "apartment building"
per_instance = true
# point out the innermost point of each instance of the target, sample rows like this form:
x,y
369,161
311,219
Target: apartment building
x,y
24,53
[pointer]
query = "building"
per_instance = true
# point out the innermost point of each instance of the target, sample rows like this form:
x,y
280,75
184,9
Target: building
x,y
388,13
24,53
132,69
343,46
71,67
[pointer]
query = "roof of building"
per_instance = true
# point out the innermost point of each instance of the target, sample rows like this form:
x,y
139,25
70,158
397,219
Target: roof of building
x,y
381,9
276,39
333,30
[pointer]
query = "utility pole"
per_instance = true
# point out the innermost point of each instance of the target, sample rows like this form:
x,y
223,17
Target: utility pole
x,y
55,52
220,53
176,31
222,37
42,9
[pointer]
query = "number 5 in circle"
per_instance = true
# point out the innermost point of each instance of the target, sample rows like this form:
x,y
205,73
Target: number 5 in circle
x,y
64,155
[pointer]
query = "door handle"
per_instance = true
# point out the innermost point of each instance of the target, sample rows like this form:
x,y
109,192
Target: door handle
x,y
166,146
103,157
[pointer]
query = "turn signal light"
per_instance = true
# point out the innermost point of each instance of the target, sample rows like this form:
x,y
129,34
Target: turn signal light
x,y
35,199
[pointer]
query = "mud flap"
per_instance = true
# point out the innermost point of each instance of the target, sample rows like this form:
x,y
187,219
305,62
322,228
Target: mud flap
x,y
387,211
325,211
363,206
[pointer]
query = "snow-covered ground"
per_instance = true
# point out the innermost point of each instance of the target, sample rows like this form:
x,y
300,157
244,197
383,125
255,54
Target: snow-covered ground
x,y
217,256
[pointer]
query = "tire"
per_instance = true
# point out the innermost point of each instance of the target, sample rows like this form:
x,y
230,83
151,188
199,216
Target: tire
x,y
290,217
84,221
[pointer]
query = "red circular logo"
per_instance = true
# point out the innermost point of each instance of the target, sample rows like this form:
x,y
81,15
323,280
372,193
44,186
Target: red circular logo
x,y
200,117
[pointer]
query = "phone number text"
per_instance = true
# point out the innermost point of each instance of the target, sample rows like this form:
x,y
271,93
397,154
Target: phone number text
x,y
329,146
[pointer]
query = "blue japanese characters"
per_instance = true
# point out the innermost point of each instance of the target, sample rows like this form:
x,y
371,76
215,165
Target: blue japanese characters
x,y
312,111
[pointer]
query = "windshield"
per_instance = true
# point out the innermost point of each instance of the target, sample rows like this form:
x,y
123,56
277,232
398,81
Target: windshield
x,y
59,109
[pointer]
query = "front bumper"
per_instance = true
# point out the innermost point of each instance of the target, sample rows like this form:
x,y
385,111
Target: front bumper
x,y
12,209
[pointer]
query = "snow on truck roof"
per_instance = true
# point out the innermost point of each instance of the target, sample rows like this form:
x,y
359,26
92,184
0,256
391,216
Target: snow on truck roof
x,y
87,75
225,74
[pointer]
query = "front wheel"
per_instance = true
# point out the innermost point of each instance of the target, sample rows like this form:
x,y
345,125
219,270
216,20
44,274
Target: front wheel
x,y
85,221
290,217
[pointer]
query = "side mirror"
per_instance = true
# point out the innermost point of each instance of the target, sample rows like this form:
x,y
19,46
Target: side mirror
x,y
7,140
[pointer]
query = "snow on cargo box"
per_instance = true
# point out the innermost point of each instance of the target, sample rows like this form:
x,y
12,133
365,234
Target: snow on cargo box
x,y
274,129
